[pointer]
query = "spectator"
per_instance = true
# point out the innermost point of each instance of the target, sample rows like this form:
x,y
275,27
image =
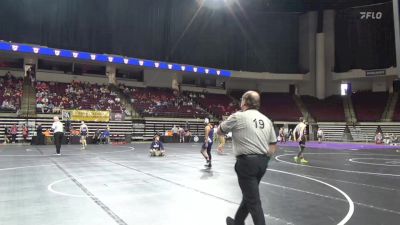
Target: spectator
x,y
105,136
320,135
50,107
6,133
175,133
5,104
188,135
290,134
96,136
25,133
14,132
39,106
8,75
378,138
181,132
282,137
39,134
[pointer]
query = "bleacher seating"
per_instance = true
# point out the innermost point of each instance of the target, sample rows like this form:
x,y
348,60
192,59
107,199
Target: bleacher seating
x,y
396,115
159,102
333,131
145,129
279,106
10,93
369,106
218,104
236,94
327,110
76,95
118,129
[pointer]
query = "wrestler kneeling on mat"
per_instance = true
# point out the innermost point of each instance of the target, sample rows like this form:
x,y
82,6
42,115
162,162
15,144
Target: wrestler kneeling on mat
x,y
157,147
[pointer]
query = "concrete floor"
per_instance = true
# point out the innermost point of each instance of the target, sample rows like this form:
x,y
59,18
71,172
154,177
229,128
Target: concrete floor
x,y
108,184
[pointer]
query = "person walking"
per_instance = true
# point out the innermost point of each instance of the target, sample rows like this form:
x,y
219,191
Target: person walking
x,y
320,135
300,136
84,131
208,142
58,131
254,142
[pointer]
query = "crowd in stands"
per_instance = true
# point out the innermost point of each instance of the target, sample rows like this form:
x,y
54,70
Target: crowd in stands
x,y
156,102
10,92
52,97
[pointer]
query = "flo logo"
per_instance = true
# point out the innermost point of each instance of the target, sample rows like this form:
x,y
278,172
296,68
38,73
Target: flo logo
x,y
371,15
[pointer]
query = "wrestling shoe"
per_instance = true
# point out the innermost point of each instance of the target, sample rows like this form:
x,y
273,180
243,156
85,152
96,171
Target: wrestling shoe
x,y
303,161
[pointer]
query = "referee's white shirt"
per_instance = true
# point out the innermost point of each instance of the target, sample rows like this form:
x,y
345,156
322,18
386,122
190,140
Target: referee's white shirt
x,y
84,126
57,127
252,132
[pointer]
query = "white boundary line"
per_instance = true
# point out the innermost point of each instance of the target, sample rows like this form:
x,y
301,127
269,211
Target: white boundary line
x,y
354,160
333,198
25,167
355,183
51,189
333,169
85,152
351,203
50,186
342,222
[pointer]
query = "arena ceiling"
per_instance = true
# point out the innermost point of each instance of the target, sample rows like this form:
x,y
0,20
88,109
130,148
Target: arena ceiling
x,y
304,5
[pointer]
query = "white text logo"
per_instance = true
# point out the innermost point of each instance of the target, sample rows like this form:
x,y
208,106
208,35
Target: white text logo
x,y
371,15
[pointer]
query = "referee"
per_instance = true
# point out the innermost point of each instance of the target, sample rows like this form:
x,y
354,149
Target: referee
x,y
58,130
254,141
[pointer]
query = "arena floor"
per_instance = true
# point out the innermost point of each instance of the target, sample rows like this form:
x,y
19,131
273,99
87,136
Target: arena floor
x,y
108,184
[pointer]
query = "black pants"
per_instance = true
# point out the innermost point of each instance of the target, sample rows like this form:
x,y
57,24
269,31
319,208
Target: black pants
x,y
14,138
58,136
250,169
95,140
40,139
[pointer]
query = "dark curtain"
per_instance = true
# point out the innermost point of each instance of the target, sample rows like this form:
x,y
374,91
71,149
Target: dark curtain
x,y
364,43
170,30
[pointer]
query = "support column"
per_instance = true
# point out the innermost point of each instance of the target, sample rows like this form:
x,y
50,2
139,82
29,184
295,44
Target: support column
x,y
111,72
320,66
175,83
30,62
307,35
379,85
396,17
331,87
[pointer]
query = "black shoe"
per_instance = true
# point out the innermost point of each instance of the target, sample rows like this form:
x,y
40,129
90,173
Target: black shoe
x,y
230,221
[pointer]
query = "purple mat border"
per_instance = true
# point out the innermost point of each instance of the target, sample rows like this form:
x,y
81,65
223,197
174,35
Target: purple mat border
x,y
340,145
